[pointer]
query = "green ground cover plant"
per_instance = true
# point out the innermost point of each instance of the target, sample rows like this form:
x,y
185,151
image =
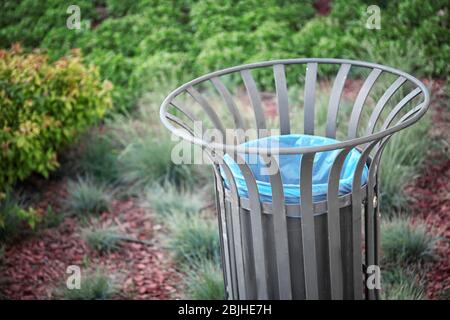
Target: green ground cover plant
x,y
399,284
102,240
16,217
193,238
87,197
205,281
405,243
96,285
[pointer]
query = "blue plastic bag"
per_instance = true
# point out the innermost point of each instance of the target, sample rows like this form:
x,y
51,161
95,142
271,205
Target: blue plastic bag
x,y
290,168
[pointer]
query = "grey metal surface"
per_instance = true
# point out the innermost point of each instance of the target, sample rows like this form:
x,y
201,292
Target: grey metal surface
x,y
308,231
282,98
314,249
256,229
310,91
335,99
255,101
280,233
334,229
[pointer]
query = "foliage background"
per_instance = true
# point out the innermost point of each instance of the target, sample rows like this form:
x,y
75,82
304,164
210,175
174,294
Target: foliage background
x,y
135,43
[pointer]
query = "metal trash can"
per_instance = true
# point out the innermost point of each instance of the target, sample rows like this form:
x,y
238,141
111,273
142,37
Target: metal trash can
x,y
284,245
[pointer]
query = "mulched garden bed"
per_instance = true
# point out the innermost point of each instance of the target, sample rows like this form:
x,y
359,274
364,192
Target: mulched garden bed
x,y
430,196
35,266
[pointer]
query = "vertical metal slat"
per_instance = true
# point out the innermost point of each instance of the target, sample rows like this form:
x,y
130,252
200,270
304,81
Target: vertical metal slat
x,y
255,101
359,102
334,229
282,98
335,98
382,102
308,232
226,96
280,231
236,232
399,107
208,109
257,228
356,224
310,92
220,207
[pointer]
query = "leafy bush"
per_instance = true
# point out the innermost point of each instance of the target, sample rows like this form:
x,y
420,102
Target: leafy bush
x,y
118,69
44,106
51,218
405,243
120,36
205,282
209,18
162,68
402,22
15,220
85,196
118,8
29,21
208,35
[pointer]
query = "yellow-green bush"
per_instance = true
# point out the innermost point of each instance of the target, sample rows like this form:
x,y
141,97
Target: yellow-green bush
x,y
42,107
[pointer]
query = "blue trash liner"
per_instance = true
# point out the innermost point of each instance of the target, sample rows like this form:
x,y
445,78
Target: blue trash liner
x,y
290,168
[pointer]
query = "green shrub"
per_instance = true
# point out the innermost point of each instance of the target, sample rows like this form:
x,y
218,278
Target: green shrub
x,y
94,286
157,71
102,240
118,8
15,220
44,106
193,238
226,50
205,282
118,69
59,41
30,21
399,284
51,218
171,38
210,18
322,37
424,25
85,197
404,243
407,56
121,36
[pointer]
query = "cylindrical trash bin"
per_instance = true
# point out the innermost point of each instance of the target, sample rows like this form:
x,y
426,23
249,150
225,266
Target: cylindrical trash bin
x,y
298,212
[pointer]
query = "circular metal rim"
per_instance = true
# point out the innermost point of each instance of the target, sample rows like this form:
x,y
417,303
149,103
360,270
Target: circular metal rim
x,y
298,150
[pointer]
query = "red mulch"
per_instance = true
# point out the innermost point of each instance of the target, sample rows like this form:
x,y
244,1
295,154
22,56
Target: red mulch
x,y
36,265
431,202
430,196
